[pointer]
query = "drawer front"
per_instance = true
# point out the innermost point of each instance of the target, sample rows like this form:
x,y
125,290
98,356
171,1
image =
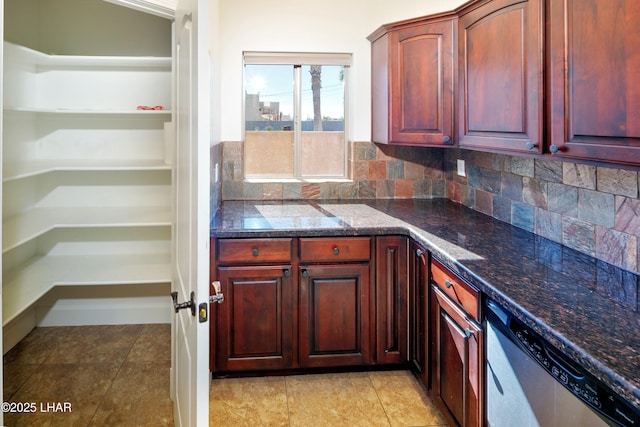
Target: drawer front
x,y
250,251
456,288
321,249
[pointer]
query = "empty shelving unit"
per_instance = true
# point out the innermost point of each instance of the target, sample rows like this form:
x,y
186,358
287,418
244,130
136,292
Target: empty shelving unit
x,y
86,174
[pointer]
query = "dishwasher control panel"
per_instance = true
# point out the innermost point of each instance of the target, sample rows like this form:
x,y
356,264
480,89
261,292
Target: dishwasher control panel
x,y
574,377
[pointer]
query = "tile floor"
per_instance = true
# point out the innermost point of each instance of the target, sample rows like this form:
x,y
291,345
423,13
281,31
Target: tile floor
x,y
119,376
385,398
110,376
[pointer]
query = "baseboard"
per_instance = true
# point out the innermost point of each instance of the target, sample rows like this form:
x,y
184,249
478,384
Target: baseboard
x,y
17,329
87,314
92,305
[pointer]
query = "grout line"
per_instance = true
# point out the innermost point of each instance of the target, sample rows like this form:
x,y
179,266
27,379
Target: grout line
x,y
286,394
124,359
378,396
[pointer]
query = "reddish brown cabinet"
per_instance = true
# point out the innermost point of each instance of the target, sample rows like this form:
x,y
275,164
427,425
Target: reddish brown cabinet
x,y
335,301
334,315
253,328
391,299
500,75
292,303
413,65
456,350
255,321
594,94
419,312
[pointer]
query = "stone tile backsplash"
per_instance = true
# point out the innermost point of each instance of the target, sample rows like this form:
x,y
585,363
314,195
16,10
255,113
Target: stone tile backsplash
x,y
377,172
593,209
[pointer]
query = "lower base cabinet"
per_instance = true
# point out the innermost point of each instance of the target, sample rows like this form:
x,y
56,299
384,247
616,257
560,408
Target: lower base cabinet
x,y
456,345
255,321
419,312
321,302
334,315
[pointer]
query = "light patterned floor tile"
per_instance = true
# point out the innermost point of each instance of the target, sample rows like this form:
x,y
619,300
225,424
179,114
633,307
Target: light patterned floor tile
x,y
345,399
404,401
248,402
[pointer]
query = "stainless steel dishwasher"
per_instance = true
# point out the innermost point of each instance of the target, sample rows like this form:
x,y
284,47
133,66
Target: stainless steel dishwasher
x,y
530,383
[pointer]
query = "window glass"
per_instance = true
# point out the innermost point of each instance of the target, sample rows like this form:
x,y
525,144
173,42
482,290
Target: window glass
x,y
323,121
294,120
269,139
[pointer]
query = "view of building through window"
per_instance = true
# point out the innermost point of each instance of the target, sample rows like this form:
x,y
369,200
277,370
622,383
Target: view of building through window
x,y
295,121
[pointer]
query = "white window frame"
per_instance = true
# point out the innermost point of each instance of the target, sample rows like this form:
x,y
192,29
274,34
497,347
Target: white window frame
x,y
296,59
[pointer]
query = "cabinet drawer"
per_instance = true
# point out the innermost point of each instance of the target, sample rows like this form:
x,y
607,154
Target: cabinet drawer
x,y
320,249
456,288
254,250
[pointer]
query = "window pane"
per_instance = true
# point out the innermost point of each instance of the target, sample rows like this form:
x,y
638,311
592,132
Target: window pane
x,y
269,101
322,145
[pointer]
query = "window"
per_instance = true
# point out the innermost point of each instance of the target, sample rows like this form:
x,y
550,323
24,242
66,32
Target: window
x,y
295,116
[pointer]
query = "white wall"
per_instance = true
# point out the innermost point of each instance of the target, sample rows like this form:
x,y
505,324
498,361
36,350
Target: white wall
x,y
294,26
53,26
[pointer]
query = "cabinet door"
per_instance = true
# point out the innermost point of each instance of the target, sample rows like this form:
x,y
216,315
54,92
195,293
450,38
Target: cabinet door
x,y
456,362
500,85
593,79
422,64
418,311
254,328
334,315
391,299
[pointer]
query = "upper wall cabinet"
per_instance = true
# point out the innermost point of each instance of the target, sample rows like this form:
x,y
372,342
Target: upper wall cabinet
x,y
413,77
594,95
530,77
500,85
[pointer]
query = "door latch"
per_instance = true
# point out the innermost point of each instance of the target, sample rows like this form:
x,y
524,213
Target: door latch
x,y
218,296
177,306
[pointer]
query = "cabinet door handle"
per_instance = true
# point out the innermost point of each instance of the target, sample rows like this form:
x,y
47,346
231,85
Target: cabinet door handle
x,y
336,250
255,252
448,284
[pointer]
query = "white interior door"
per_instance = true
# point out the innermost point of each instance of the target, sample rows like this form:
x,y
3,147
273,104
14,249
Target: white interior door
x,y
1,162
190,338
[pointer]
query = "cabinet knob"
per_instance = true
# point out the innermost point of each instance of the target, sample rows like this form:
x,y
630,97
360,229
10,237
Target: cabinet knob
x,y
419,252
448,284
446,139
554,148
531,146
286,272
336,250
305,273
255,252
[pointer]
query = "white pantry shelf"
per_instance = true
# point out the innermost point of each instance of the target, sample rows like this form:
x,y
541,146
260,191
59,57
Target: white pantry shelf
x,y
88,111
98,61
29,225
40,167
41,274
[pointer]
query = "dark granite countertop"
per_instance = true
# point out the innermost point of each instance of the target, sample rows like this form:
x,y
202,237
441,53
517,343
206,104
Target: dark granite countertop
x,y
587,308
